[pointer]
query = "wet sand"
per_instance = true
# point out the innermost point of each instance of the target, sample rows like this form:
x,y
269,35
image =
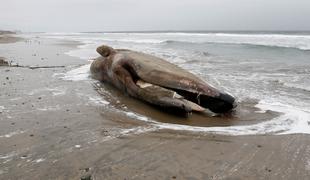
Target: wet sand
x,y
52,128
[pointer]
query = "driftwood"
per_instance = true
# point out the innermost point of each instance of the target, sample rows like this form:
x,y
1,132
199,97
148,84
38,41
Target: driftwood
x,y
38,67
9,64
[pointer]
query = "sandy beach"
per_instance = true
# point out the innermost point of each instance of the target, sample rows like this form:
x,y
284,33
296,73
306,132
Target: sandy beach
x,y
53,127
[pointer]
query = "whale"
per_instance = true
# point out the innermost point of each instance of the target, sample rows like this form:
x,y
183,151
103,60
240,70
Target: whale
x,y
158,82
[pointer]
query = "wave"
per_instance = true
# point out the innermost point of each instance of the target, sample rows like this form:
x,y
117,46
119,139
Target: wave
x,y
297,41
139,41
275,46
301,42
302,87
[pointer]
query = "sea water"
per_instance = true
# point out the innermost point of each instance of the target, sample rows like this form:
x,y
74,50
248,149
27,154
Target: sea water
x,y
272,68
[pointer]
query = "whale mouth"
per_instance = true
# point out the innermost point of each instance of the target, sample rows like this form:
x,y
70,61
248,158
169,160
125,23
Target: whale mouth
x,y
185,100
197,102
218,104
169,94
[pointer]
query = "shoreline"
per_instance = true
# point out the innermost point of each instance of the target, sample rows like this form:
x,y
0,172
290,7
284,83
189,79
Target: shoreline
x,y
53,128
7,37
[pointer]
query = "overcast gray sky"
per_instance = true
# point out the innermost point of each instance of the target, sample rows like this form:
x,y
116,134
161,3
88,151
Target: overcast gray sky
x,y
133,15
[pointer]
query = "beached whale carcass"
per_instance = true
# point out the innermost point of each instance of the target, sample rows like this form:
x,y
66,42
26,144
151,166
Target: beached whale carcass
x,y
158,82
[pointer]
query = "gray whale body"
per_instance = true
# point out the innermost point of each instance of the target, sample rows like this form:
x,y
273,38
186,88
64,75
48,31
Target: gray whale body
x,y
158,82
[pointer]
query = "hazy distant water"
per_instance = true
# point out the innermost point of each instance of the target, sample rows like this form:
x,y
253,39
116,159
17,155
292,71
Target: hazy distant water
x,y
272,68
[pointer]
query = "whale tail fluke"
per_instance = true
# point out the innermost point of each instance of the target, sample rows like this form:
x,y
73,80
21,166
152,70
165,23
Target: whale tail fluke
x,y
105,51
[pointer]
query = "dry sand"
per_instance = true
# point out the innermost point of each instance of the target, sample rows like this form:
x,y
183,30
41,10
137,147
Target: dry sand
x,y
55,129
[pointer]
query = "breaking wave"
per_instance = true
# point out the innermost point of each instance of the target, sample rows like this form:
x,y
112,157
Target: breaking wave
x,y
300,41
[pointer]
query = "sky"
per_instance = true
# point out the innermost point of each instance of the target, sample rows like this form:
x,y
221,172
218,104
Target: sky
x,y
148,15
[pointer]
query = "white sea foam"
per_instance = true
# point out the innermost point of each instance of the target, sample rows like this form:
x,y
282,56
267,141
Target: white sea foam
x,y
86,51
79,74
134,40
97,100
137,130
140,117
291,121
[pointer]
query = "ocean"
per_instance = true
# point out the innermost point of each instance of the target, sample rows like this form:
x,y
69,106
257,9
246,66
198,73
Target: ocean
x,y
271,69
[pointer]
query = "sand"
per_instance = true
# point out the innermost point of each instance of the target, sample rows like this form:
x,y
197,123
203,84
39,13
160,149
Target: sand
x,y
52,128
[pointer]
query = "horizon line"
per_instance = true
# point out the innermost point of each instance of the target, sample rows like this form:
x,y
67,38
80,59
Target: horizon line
x,y
162,31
